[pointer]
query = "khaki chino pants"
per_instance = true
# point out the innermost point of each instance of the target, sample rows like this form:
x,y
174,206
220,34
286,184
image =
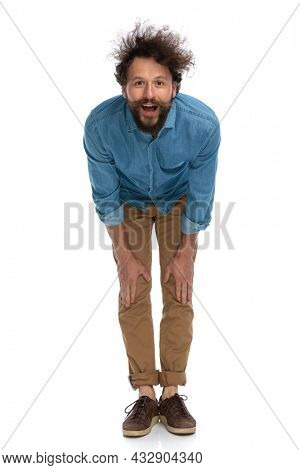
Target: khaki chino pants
x,y
136,320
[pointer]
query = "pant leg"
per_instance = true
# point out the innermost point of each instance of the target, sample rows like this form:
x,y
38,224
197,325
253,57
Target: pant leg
x,y
136,320
176,330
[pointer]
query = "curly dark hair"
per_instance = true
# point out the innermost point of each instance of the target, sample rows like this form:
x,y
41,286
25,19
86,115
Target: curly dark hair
x,y
165,46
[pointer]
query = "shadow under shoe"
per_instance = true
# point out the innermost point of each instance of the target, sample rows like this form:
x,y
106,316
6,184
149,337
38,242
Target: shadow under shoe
x,y
141,418
175,416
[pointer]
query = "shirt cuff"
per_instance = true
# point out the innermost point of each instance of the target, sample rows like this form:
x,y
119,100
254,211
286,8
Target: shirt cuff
x,y
115,217
187,226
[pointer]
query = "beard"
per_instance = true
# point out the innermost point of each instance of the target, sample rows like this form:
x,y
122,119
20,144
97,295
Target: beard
x,y
151,124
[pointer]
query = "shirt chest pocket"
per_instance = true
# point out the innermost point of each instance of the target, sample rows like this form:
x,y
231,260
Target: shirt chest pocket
x,y
132,163
171,160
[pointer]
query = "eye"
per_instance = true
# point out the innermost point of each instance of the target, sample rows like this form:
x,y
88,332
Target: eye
x,y
159,82
138,82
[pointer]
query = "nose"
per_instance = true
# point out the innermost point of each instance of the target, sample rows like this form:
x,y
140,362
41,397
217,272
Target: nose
x,y
149,91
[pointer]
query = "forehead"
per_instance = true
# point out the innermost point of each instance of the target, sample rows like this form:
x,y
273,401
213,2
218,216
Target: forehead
x,y
147,67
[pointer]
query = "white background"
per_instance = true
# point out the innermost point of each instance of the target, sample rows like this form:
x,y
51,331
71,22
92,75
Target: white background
x,y
246,332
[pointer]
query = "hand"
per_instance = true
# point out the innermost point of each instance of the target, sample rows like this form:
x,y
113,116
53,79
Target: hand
x,y
181,266
129,270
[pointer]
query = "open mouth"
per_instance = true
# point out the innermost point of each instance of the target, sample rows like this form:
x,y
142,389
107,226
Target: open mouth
x,y
149,109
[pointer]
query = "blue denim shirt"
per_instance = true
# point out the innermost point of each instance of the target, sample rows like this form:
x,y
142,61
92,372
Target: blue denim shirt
x,y
128,165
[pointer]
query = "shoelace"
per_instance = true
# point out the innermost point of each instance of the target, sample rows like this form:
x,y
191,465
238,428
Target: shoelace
x,y
177,405
138,410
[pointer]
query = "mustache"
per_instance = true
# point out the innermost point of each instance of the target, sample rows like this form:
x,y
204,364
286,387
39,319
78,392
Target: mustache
x,y
161,105
154,103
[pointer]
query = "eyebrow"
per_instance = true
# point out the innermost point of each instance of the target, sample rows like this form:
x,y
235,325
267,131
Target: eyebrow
x,y
155,78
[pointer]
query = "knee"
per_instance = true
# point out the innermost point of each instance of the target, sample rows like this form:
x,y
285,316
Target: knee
x,y
143,288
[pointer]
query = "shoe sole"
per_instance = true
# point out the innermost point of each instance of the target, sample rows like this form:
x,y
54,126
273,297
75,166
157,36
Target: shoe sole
x,y
163,419
142,432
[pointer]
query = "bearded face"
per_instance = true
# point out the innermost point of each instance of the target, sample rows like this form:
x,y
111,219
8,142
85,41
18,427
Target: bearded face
x,y
149,93
149,115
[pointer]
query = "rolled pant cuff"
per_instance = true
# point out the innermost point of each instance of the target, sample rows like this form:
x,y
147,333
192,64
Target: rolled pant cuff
x,y
167,378
150,377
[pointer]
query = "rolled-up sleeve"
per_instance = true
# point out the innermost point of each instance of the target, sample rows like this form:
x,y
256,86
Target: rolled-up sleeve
x,y
201,184
103,176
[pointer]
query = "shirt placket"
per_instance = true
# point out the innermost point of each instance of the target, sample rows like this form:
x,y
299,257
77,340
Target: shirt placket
x,y
151,159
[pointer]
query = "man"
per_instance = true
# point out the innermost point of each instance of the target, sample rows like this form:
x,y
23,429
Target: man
x,y
152,160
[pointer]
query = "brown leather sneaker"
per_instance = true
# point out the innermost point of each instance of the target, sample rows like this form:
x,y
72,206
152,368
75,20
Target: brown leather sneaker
x,y
175,415
141,418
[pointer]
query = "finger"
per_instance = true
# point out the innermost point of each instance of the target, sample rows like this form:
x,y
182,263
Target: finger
x,y
121,291
183,292
127,296
146,275
190,292
123,297
178,289
167,275
132,292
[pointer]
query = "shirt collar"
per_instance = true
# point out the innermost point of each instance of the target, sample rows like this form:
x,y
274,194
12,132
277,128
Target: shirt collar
x,y
169,123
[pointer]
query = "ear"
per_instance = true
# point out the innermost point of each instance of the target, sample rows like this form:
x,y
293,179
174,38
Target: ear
x,y
124,92
174,89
